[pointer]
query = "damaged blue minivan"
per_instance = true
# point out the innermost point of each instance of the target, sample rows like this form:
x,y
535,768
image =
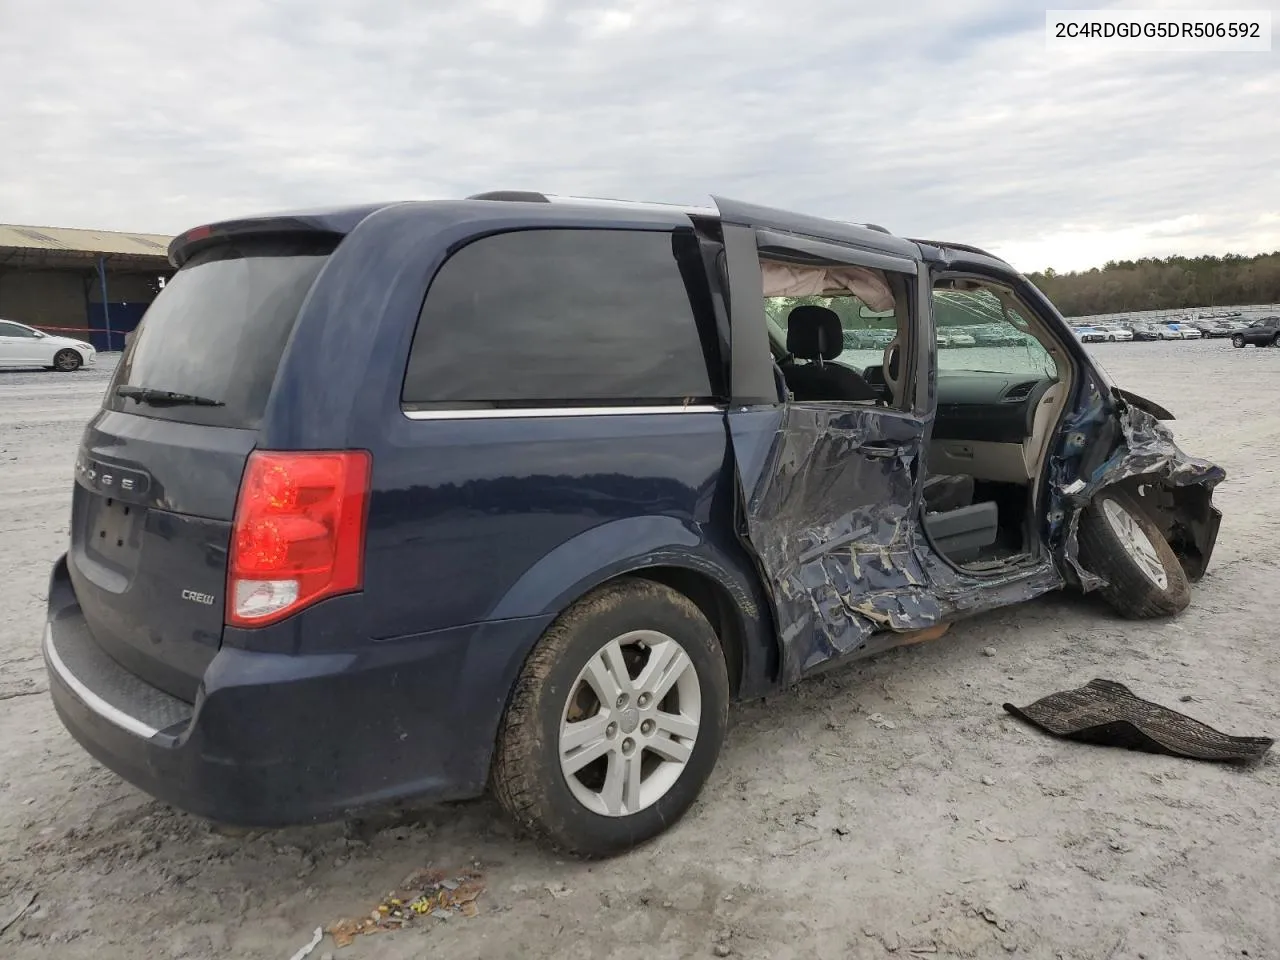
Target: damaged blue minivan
x,y
404,502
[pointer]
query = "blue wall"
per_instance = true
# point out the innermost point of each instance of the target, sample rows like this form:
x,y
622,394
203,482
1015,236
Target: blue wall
x,y
124,317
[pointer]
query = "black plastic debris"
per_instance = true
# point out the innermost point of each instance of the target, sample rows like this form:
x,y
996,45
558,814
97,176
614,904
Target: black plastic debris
x,y
1109,714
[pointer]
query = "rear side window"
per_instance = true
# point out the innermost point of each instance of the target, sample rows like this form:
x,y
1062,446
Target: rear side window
x,y
13,330
555,317
219,328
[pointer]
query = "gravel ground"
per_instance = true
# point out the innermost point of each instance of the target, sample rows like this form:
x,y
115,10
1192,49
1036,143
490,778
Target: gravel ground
x,y
949,830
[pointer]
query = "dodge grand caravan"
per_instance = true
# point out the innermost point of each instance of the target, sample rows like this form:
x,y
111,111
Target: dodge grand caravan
x,y
518,492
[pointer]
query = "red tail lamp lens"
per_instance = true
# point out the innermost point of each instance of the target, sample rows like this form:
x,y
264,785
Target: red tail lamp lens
x,y
298,535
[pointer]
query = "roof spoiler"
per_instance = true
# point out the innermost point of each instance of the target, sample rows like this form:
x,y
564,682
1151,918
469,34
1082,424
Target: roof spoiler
x,y
330,223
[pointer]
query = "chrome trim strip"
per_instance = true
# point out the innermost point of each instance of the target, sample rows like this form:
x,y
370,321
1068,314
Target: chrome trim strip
x,y
534,412
91,699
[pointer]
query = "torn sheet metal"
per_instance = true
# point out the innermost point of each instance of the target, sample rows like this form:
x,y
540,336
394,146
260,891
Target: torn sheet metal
x,y
835,527
1108,441
835,530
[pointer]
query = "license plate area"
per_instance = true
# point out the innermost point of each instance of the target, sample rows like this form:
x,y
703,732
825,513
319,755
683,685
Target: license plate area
x,y
112,533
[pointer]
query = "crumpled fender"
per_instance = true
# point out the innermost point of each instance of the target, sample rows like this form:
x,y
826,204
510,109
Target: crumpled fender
x,y
1143,455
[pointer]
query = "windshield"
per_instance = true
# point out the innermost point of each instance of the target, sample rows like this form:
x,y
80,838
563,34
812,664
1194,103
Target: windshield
x,y
218,330
979,333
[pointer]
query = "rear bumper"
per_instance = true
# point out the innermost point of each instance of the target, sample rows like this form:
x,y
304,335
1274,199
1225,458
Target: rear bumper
x,y
274,740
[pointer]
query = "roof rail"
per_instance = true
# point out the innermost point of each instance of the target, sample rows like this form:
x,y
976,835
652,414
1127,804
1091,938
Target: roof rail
x,y
525,196
634,204
533,196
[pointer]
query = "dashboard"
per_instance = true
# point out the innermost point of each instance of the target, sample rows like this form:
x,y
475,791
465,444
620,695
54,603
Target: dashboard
x,y
981,407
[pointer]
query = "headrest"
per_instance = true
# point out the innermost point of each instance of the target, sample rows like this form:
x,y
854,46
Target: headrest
x,y
814,333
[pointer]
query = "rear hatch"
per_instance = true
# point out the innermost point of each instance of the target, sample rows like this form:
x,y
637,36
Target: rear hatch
x,y
160,466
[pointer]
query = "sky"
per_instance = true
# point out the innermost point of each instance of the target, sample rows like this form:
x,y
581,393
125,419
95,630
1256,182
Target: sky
x,y
940,120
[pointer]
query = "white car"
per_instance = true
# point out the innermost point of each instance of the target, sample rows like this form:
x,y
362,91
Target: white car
x,y
1115,334
23,346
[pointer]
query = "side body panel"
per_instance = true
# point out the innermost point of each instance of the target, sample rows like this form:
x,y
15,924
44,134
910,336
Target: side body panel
x,y
834,530
477,518
832,492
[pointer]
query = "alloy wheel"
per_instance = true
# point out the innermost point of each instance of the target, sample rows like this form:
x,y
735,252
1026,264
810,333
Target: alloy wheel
x,y
629,724
1135,542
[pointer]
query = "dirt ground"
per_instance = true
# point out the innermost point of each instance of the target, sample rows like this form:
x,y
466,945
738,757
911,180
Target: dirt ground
x,y
943,827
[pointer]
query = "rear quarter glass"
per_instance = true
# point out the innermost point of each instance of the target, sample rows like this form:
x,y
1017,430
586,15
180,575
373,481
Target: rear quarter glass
x,y
568,317
219,328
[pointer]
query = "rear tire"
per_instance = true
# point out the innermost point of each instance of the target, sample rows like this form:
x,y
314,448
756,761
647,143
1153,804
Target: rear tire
x,y
1123,545
1237,341
652,748
67,361
1275,341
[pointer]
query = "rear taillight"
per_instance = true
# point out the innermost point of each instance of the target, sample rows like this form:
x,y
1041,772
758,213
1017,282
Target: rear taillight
x,y
298,535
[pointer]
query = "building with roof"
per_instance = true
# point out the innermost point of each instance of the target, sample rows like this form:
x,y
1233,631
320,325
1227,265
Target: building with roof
x,y
93,284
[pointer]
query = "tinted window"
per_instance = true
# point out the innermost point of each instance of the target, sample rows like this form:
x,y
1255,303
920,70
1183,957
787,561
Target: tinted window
x,y
546,317
219,328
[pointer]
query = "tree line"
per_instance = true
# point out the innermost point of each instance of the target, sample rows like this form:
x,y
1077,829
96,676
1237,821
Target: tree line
x,y
1124,286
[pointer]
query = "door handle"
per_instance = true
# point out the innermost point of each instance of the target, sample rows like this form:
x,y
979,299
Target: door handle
x,y
882,449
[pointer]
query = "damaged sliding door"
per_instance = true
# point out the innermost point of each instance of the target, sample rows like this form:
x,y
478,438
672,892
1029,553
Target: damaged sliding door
x,y
830,489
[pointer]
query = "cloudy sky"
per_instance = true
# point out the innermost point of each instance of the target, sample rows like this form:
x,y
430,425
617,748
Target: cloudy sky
x,y
937,119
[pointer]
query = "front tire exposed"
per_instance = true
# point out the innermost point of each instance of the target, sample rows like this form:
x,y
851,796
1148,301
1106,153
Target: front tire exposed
x,y
1237,341
1123,545
67,361
616,720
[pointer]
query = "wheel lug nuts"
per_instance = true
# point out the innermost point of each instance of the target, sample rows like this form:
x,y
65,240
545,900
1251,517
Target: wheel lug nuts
x,y
622,701
647,727
644,700
611,731
628,746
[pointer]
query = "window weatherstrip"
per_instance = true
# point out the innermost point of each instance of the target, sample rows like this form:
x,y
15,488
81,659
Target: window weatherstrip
x,y
772,241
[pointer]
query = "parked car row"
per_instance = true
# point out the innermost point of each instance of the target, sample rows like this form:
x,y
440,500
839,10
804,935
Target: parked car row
x,y
1136,330
869,339
1217,328
1263,332
990,335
